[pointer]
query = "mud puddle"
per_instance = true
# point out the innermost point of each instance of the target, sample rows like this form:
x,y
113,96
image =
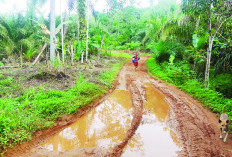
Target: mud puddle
x,y
105,126
153,137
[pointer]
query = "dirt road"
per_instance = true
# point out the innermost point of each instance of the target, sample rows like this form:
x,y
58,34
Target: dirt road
x,y
141,117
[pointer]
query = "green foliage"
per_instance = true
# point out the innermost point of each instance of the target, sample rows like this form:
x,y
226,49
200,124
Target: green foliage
x,y
9,87
17,35
187,81
195,40
164,49
222,83
29,54
116,54
78,47
1,64
177,73
108,77
133,45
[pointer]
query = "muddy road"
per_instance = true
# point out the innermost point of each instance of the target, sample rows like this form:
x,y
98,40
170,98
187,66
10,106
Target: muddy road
x,y
141,117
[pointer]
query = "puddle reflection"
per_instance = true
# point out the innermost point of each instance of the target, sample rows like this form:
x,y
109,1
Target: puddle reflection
x,y
153,138
105,126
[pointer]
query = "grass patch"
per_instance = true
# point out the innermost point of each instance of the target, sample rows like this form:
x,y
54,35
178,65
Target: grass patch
x,y
182,76
120,54
9,87
108,77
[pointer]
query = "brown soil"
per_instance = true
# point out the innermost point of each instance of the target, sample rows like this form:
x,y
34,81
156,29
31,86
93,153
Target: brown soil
x,y
196,128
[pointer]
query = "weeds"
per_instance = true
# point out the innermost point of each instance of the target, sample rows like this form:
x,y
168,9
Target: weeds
x,y
108,77
9,87
121,54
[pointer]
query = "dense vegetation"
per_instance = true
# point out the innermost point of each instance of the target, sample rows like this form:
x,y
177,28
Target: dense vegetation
x,y
190,43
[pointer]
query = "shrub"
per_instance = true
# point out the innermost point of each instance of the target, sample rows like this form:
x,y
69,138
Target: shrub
x,y
164,49
223,84
133,45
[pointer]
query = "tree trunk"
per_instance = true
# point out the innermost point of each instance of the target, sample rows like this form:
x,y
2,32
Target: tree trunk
x,y
78,24
37,58
52,31
211,40
82,19
87,33
21,57
99,52
72,56
62,33
82,56
65,28
47,54
207,68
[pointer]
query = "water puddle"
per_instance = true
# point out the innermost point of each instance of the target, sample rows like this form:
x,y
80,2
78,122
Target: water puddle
x,y
105,126
153,138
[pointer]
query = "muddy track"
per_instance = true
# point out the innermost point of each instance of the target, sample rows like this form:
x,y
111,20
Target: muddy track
x,y
195,127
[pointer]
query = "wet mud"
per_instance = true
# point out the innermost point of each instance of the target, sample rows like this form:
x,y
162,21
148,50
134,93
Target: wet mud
x,y
141,117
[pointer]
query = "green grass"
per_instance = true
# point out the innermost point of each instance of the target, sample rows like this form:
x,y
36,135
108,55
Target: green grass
x,y
9,87
183,77
108,77
113,54
39,108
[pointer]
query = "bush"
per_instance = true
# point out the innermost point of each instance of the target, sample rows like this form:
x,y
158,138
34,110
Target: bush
x,y
129,46
223,84
164,49
133,45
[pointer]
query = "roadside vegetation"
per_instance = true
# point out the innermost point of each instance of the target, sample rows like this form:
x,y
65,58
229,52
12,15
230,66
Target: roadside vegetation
x,y
181,75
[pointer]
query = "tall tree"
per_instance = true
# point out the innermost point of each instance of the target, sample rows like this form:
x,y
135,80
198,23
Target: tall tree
x,y
218,11
82,19
87,31
52,30
62,31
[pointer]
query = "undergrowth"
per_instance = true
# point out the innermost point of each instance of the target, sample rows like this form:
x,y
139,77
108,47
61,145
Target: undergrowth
x,y
9,87
112,54
108,77
183,77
